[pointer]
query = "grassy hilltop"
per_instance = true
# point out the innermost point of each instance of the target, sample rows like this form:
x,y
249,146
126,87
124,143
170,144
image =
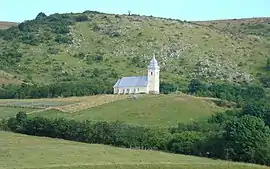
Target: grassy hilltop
x,y
67,47
162,110
21,151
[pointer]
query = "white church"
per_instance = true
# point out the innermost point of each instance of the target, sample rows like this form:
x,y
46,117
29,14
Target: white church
x,y
148,84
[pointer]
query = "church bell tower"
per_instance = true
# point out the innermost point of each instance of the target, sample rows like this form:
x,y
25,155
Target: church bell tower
x,y
153,76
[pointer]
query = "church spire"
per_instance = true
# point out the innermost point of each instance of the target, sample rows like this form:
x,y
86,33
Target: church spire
x,y
153,63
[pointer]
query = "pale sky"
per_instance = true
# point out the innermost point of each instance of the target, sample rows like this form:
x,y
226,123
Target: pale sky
x,y
20,10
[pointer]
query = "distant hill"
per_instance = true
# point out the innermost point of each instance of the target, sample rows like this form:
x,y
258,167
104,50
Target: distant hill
x,y
250,26
83,46
5,25
22,151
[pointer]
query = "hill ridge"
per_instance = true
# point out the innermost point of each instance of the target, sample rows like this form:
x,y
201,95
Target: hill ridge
x,y
81,46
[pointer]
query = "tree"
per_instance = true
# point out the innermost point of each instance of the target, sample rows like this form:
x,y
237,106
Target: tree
x,y
267,66
259,109
21,26
185,142
247,139
195,85
21,117
167,88
41,15
81,18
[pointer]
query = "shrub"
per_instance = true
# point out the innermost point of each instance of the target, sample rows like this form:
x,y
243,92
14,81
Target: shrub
x,y
186,142
81,18
167,88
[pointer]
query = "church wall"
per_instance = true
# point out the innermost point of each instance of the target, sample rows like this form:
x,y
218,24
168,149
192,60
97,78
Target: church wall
x,y
130,90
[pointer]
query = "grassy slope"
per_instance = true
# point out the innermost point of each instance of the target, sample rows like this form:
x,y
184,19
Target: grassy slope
x,y
6,112
178,46
162,110
257,26
21,151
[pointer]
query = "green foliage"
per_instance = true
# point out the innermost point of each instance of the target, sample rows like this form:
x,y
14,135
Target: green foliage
x,y
248,140
260,109
186,142
167,88
9,56
267,66
196,85
31,32
114,133
226,91
81,18
41,16
63,89
4,125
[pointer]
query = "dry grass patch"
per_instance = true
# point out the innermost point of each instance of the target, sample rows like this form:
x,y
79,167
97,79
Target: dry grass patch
x,y
69,104
89,102
6,25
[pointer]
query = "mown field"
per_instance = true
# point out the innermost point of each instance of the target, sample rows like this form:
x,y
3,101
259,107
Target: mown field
x,y
25,152
161,110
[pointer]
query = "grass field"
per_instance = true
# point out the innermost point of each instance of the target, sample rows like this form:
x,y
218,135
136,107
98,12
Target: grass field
x,y
161,110
6,112
21,152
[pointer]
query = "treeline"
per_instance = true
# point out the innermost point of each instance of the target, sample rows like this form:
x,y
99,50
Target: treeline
x,y
226,91
237,135
61,89
65,89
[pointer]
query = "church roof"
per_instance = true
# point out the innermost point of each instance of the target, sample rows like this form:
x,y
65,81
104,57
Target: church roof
x,y
133,81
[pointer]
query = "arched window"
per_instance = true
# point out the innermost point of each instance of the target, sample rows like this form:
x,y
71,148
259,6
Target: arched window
x,y
151,73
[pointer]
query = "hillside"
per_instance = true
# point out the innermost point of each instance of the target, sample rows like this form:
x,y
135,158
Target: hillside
x,y
162,110
21,152
93,45
249,26
6,25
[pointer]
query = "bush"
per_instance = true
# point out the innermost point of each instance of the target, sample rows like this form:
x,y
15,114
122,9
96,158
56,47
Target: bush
x,y
225,91
81,18
186,142
167,88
